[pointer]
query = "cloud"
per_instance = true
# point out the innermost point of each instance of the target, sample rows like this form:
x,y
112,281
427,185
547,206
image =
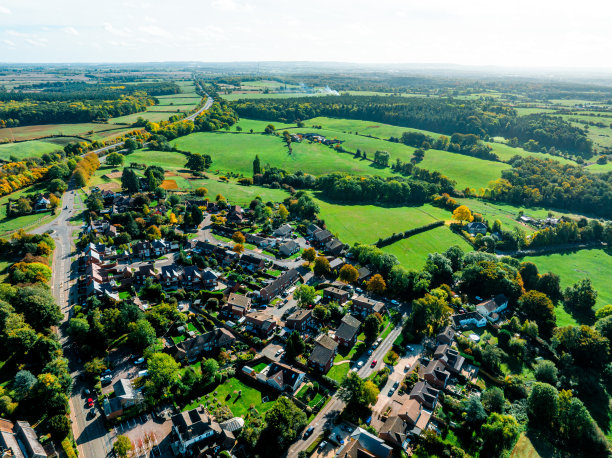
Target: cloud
x,y
231,5
155,31
8,42
114,31
4,10
71,31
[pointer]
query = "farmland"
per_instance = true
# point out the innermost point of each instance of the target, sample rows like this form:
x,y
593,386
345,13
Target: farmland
x,y
412,252
35,148
368,223
574,266
235,152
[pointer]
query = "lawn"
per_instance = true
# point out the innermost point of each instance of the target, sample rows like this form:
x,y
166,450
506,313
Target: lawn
x,y
153,116
239,405
35,148
339,372
530,447
260,367
412,252
258,126
368,223
599,168
573,267
235,152
164,159
12,224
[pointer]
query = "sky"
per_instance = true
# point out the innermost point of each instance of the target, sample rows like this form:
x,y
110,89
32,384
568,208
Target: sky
x,y
506,33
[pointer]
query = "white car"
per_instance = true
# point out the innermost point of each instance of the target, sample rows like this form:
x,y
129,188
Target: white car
x,y
139,361
360,364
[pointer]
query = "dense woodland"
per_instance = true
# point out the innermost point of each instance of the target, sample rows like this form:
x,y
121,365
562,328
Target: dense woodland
x,y
78,102
534,181
484,118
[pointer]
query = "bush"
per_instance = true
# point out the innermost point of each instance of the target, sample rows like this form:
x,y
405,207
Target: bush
x,y
68,449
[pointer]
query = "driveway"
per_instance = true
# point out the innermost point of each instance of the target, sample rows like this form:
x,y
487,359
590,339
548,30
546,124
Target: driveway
x,y
150,436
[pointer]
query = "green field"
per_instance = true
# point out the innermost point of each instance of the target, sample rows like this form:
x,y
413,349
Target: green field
x,y
26,221
467,171
368,223
412,252
573,267
258,126
164,159
235,152
153,116
598,168
339,372
45,130
23,150
506,153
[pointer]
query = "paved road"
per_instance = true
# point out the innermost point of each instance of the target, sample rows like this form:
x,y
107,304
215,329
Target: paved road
x,y
90,433
326,415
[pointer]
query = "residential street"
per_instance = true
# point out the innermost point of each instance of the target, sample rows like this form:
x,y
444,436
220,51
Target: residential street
x,y
90,432
326,416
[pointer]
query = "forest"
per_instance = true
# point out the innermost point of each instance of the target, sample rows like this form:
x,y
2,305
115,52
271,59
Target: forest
x,y
483,118
532,181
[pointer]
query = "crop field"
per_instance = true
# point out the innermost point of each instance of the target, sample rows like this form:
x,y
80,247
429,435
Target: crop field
x,y
573,267
412,252
34,148
368,223
45,130
235,152
261,95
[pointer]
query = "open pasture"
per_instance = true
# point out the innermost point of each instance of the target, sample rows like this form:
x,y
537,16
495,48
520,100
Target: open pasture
x,y
412,252
34,148
368,223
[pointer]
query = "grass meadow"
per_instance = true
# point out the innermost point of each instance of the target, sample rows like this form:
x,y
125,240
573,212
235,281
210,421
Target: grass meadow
x,y
23,150
573,267
412,252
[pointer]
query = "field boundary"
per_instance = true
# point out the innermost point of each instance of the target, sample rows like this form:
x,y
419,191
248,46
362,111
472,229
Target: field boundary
x,y
409,233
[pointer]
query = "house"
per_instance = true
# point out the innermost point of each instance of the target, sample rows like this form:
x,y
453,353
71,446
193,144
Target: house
x,y
261,323
170,276
490,309
41,204
299,320
282,377
312,228
362,444
364,274
425,394
450,357
209,279
252,263
365,306
334,247
258,240
197,434
436,374
289,248
335,294
101,290
191,277
279,285
204,247
336,264
160,247
446,336
467,320
235,214
237,305
142,249
347,332
406,418
191,349
283,231
323,354
19,440
322,237
395,431
144,272
125,396
476,228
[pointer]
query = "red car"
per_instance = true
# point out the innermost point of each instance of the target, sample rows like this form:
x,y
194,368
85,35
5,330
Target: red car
x,y
373,363
90,402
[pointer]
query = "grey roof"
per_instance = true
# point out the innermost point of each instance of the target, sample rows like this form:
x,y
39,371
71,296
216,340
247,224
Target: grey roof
x,y
348,328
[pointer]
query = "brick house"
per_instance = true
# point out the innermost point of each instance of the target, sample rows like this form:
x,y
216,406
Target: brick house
x,y
299,320
336,294
279,285
237,305
366,306
323,354
347,332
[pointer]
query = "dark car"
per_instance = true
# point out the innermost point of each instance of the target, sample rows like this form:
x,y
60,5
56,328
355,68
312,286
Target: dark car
x,y
308,432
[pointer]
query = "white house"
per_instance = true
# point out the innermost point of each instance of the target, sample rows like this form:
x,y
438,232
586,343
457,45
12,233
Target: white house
x,y
490,309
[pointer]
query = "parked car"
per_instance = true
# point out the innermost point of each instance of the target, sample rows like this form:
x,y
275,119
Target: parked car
x,y
360,364
322,445
373,363
308,432
107,372
406,367
391,391
139,361
370,351
86,392
90,402
395,385
410,348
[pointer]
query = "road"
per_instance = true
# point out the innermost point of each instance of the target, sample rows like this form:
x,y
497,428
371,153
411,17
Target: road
x,y
326,415
90,432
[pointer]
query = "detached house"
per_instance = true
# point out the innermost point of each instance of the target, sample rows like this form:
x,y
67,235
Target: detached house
x,y
252,263
334,247
237,305
366,306
192,349
261,323
323,354
282,377
283,231
289,248
446,336
199,435
125,396
362,444
425,394
322,237
19,440
436,374
347,332
467,320
477,228
299,320
490,309
450,358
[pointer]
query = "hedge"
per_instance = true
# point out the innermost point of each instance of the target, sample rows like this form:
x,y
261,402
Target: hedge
x,y
409,233
68,449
